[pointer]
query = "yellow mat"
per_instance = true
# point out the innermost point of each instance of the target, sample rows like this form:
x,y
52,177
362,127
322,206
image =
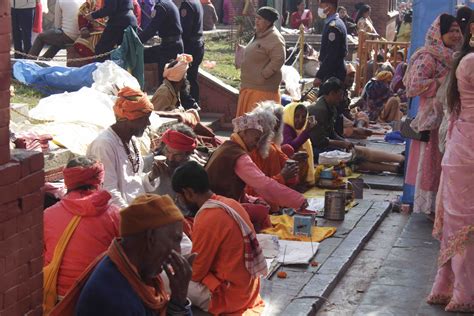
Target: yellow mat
x,y
319,192
283,228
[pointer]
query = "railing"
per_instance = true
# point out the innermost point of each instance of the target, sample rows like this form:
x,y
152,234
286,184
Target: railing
x,y
364,54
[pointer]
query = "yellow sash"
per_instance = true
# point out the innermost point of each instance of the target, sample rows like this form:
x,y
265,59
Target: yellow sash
x,y
50,272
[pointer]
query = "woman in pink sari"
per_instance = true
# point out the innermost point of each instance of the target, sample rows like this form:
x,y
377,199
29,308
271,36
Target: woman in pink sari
x,y
454,226
427,70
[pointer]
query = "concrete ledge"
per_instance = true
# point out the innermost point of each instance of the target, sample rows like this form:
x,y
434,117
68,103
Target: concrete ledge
x,y
305,289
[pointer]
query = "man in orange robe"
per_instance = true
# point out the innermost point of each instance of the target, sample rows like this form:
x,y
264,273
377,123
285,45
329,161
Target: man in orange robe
x,y
229,263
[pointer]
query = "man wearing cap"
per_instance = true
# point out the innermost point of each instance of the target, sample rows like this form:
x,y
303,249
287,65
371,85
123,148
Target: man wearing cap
x,y
126,280
229,263
333,44
116,149
166,24
167,96
96,225
263,59
230,169
192,14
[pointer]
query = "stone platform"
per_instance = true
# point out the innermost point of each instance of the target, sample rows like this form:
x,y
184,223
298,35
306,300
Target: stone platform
x,y
303,291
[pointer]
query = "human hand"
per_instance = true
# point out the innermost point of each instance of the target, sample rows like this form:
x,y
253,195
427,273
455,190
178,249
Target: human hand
x,y
159,168
89,17
85,33
300,156
289,171
178,268
311,123
317,82
304,206
348,145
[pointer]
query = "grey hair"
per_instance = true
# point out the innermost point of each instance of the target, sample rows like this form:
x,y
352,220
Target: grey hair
x,y
270,114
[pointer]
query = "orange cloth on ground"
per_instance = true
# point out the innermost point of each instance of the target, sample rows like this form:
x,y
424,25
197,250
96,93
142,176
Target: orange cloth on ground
x,y
132,104
98,227
283,228
248,99
220,263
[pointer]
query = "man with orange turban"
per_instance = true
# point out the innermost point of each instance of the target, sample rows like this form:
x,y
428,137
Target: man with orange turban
x,y
167,96
116,148
88,207
126,279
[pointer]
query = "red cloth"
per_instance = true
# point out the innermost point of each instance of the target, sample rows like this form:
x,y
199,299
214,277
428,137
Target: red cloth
x,y
179,141
98,227
137,11
79,176
38,22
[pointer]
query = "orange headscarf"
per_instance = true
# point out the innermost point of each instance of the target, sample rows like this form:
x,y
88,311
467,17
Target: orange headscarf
x,y
206,2
132,104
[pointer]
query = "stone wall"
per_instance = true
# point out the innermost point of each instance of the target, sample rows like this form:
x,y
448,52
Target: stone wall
x,y
21,205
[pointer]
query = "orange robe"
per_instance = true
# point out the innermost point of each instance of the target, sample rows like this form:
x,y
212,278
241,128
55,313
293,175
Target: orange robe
x,y
272,165
220,265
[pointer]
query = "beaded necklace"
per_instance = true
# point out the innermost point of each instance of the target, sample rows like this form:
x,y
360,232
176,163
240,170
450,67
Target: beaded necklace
x,y
135,162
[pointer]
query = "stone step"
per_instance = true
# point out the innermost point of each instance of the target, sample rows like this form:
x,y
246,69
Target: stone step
x,y
212,120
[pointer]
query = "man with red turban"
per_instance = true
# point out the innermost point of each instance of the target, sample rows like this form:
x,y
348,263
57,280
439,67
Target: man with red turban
x,y
117,150
85,212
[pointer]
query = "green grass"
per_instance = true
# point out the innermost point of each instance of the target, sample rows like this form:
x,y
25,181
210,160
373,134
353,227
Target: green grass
x,y
26,95
221,51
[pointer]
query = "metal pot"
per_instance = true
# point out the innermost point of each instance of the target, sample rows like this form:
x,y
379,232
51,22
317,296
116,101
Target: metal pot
x,y
349,194
334,206
357,185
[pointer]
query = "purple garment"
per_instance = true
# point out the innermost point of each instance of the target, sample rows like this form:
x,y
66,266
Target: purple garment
x,y
147,7
397,81
291,138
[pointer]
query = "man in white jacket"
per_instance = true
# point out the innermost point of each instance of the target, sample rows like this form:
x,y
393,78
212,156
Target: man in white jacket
x,y
65,31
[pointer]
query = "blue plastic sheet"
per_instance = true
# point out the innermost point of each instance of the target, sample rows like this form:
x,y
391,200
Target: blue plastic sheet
x,y
53,80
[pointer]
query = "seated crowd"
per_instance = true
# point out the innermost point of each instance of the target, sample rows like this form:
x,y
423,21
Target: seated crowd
x,y
146,238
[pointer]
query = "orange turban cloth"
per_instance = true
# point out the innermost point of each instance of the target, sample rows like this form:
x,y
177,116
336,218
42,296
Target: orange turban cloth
x,y
146,212
206,2
178,141
132,104
384,76
177,72
76,177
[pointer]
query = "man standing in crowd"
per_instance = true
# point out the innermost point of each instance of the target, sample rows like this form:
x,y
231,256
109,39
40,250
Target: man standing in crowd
x,y
65,31
167,25
126,280
22,13
116,149
230,262
333,44
191,20
120,16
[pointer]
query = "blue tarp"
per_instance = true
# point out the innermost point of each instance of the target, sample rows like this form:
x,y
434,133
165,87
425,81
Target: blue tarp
x,y
424,13
53,80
